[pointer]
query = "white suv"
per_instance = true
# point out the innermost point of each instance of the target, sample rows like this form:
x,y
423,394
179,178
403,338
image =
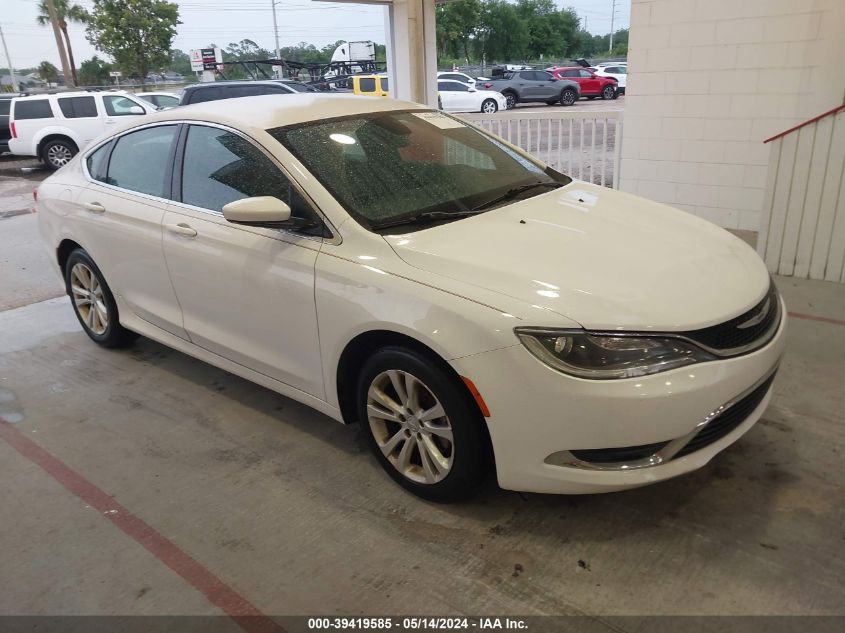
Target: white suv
x,y
617,70
55,127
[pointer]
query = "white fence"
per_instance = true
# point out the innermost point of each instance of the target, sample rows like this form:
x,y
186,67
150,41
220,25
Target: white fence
x,y
803,224
585,145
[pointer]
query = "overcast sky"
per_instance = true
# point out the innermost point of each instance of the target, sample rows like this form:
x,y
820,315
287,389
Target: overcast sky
x,y
225,21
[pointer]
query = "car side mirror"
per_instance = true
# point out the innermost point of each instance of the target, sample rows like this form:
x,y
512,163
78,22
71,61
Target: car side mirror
x,y
136,109
266,211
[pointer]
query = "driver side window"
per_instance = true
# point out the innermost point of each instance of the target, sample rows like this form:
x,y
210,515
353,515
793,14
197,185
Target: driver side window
x,y
220,167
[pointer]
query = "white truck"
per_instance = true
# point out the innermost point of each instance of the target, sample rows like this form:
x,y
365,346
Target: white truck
x,y
355,52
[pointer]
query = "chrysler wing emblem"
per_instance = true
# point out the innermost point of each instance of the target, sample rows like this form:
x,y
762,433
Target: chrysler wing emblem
x,y
757,318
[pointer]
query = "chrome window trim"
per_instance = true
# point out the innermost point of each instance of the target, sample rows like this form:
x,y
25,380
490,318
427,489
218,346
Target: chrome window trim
x,y
335,238
668,452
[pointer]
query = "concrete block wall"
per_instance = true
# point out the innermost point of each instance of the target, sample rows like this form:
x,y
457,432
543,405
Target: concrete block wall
x,y
708,81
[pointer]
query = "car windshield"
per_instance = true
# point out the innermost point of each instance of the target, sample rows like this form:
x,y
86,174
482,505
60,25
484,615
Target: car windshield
x,y
387,168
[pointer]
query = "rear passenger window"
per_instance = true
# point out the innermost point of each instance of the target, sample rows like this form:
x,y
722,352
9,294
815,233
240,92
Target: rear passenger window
x,y
78,107
220,167
139,160
97,162
206,94
4,106
33,109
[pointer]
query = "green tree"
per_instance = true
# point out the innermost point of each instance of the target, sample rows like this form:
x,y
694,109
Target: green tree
x,y
65,12
94,72
457,23
137,34
48,72
501,35
180,62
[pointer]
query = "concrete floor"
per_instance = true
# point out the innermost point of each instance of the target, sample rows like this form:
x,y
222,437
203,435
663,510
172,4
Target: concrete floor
x,y
155,460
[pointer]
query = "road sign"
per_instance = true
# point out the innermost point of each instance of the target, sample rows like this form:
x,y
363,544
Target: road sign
x,y
115,73
206,58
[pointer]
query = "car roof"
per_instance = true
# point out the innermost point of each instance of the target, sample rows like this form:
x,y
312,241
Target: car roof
x,y
256,114
74,93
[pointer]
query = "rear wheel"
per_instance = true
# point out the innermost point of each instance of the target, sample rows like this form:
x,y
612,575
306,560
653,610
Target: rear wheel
x,y
568,97
421,425
58,152
489,106
93,302
608,92
511,100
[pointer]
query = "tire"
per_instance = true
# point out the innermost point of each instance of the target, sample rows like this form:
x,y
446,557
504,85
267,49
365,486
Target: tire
x,y
457,460
99,319
568,97
511,100
58,153
608,93
489,106
439,103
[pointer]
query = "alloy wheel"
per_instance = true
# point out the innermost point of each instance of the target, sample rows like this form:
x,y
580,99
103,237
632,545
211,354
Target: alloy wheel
x,y
410,426
489,106
89,299
511,101
608,92
59,155
568,97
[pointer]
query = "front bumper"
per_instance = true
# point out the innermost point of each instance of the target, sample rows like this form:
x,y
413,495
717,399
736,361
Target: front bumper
x,y
539,415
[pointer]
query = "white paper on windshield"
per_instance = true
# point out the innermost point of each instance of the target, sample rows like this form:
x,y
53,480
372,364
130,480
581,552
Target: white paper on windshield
x,y
439,120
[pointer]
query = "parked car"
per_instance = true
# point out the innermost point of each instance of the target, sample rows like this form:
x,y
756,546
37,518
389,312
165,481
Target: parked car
x,y
371,85
395,266
456,96
617,71
5,132
55,127
592,85
456,76
160,99
523,86
217,90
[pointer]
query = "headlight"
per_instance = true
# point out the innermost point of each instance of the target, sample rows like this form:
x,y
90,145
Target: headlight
x,y
608,356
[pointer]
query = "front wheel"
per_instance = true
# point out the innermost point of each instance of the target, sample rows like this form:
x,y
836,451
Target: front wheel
x,y
93,302
568,97
608,93
422,426
57,153
489,106
510,100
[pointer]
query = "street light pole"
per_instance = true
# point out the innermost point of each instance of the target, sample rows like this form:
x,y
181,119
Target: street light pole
x,y
9,62
54,20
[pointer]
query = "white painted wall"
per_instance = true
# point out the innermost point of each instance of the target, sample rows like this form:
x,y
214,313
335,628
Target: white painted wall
x,y
709,81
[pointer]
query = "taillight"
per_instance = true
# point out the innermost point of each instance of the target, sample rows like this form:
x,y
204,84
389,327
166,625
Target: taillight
x,y
488,85
13,130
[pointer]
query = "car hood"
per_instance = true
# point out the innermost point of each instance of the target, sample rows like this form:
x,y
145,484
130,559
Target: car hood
x,y
602,258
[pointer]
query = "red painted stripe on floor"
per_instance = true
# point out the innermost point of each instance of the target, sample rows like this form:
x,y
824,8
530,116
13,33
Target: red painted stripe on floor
x,y
813,317
243,612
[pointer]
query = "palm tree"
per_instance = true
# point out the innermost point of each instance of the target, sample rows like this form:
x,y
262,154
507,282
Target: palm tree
x,y
65,12
48,72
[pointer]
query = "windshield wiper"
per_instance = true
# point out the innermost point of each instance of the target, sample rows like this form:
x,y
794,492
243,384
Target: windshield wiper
x,y
515,191
427,216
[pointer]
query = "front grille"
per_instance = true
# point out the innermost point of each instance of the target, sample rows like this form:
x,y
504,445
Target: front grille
x,y
730,339
726,422
614,455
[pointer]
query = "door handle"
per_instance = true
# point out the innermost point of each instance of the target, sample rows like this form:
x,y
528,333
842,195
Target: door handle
x,y
181,229
94,207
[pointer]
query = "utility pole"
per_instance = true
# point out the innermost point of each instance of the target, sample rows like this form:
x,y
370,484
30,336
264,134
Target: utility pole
x,y
612,15
54,20
9,62
276,29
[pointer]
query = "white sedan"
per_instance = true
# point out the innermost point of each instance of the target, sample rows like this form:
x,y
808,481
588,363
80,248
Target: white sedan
x,y
454,96
473,309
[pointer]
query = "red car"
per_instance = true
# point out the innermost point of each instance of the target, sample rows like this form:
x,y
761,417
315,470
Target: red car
x,y
592,85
